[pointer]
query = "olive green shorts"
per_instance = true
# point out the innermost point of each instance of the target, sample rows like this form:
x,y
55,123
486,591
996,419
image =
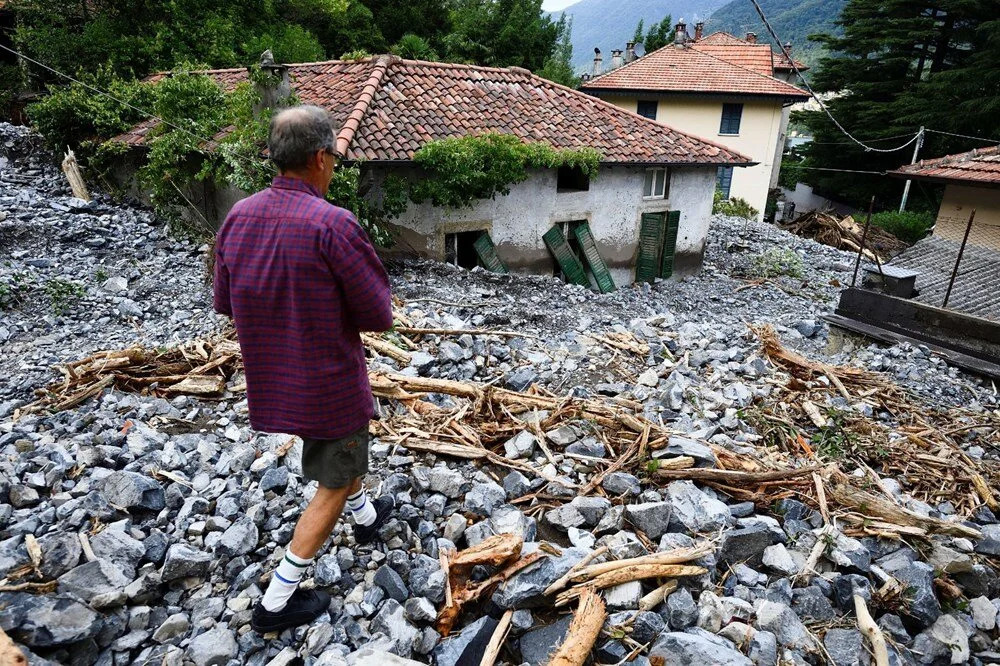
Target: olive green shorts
x,y
335,463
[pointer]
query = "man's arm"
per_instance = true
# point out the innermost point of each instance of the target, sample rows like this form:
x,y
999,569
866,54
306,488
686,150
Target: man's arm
x,y
221,284
362,276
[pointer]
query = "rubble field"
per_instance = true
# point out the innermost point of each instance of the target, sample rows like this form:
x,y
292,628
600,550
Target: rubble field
x,y
693,472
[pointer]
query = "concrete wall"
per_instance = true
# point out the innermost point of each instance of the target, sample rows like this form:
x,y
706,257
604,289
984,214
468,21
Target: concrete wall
x,y
613,206
761,136
956,206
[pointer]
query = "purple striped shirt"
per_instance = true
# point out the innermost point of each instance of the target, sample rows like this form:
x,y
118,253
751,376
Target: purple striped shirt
x,y
300,279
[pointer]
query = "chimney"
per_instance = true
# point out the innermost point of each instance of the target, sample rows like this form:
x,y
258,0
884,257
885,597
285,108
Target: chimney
x,y
680,33
788,49
699,29
585,77
616,58
752,37
272,93
598,62
629,51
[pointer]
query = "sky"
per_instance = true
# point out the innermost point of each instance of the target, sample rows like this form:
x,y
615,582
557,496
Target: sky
x,y
556,5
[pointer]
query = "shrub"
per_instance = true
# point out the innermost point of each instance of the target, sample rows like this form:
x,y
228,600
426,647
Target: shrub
x,y
735,207
778,261
908,226
62,294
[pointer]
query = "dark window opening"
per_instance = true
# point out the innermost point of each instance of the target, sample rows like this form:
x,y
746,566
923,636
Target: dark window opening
x,y
724,180
572,179
646,108
731,116
460,250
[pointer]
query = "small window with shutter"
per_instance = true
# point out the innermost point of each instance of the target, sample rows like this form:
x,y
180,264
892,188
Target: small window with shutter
x,y
657,184
732,114
646,108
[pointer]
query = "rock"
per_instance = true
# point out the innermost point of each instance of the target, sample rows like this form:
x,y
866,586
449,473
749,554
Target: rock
x,y
449,482
537,644
696,649
520,379
21,497
984,613
183,561
483,498
589,446
591,508
454,527
746,544
524,589
648,378
948,631
621,483
275,478
239,538
807,327
763,649
47,621
990,543
850,553
844,647
133,491
682,446
521,445
471,642
390,581
682,611
810,604
624,596
370,655
391,621
695,509
918,580
565,516
62,552
451,351
782,621
562,436
420,609
653,518
777,558
516,485
327,571
100,583
174,626
212,648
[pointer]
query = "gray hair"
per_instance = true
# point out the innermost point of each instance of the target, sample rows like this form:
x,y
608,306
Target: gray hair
x,y
297,133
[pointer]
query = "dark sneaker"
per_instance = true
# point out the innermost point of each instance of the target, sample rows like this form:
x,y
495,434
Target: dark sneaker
x,y
304,607
383,508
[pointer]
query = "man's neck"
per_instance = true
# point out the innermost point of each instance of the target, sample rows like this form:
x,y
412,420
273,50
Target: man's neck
x,y
307,177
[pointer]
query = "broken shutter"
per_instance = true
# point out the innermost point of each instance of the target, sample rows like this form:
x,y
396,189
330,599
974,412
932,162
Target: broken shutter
x,y
670,243
570,266
487,253
597,266
651,234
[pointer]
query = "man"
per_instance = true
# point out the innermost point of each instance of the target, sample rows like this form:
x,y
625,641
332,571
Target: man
x,y
300,279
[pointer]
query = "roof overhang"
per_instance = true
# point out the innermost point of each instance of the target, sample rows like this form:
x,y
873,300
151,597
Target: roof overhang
x,y
411,163
646,92
945,180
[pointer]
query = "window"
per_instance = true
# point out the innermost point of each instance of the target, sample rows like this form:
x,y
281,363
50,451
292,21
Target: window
x,y
657,184
731,116
646,108
724,180
572,179
460,249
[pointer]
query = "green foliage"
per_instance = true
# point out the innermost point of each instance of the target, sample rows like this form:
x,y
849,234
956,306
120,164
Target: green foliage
x,y
559,66
62,294
733,207
14,290
100,275
355,55
463,169
657,36
501,33
413,47
10,83
288,43
776,262
909,226
351,189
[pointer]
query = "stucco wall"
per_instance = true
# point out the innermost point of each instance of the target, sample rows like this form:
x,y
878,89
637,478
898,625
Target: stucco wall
x,y
956,206
613,206
760,133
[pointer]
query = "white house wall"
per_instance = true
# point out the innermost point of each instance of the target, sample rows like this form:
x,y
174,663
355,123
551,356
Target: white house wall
x,y
613,206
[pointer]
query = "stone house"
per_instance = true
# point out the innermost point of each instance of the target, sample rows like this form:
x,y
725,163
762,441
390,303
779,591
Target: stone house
x,y
735,91
654,181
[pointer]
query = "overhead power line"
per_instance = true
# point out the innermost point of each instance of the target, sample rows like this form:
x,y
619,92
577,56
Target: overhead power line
x,y
965,136
777,40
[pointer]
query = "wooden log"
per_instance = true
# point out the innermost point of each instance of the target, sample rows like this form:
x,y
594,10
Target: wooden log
x,y
10,654
587,559
984,492
71,168
629,574
583,630
656,597
496,641
732,477
873,505
385,348
463,451
494,551
866,623
675,556
199,385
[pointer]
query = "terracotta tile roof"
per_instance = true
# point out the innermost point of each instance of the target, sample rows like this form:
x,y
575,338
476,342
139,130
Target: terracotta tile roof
x,y
386,109
977,167
748,54
687,69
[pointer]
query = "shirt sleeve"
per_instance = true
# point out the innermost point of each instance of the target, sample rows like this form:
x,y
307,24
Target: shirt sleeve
x,y
222,303
362,277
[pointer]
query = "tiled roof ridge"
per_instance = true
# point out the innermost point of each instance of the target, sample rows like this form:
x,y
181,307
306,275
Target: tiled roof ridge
x,y
346,134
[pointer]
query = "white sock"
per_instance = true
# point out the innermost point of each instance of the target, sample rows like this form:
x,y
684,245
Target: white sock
x,y
284,581
362,509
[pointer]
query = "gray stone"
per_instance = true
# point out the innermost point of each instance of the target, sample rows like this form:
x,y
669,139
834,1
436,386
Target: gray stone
x,y
483,498
521,445
696,649
239,538
454,527
183,561
591,508
131,490
851,553
212,648
47,621
984,613
449,482
809,603
588,446
683,446
391,621
682,611
174,626
451,351
21,496
990,543
621,483
782,621
420,609
426,578
653,518
695,509
520,379
536,645
61,552
948,631
100,583
116,546
371,655
844,647
327,571
777,558
746,544
918,584
611,522
624,596
390,581
516,485
565,516
276,478
524,589
470,642
763,648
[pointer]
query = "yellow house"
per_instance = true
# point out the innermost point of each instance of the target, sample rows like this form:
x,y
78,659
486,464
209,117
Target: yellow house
x,y
719,87
971,181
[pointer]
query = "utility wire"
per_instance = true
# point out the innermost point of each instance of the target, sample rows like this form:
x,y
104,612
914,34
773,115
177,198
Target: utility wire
x,y
964,136
795,166
795,67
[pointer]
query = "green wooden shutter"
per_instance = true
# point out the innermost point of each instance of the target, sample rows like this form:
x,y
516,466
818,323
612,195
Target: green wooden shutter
x,y
487,253
670,243
597,266
571,267
651,234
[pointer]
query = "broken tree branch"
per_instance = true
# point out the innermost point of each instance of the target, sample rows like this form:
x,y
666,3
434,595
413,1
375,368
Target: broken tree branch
x,y
872,505
496,641
866,623
583,630
587,559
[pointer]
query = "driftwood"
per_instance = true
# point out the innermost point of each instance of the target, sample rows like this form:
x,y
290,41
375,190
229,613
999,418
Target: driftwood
x,y
656,597
385,348
734,477
866,623
676,556
583,630
874,505
564,580
496,641
71,168
628,574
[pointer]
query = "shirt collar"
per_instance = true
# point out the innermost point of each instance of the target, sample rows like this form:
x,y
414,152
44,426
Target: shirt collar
x,y
291,183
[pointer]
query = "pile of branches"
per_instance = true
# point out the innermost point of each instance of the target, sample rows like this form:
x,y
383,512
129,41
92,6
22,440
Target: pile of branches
x,y
845,233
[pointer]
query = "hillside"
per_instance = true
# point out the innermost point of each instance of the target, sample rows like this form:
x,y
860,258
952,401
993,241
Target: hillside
x,y
608,24
793,20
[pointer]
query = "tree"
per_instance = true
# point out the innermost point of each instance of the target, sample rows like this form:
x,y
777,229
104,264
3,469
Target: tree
x,y
659,34
559,66
413,47
501,33
428,19
898,65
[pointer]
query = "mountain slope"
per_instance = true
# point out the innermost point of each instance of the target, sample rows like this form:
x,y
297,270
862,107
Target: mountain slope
x,y
793,20
608,24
